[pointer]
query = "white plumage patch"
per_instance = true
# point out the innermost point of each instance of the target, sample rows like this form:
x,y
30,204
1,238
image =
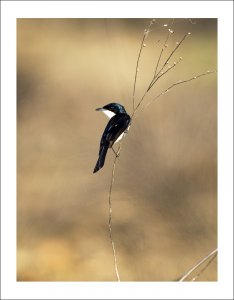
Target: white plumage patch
x,y
108,113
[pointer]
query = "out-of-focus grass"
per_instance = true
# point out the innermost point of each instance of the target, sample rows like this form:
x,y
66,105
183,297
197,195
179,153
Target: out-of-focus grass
x,y
165,192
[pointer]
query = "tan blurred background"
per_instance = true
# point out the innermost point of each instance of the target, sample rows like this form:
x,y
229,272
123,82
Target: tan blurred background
x,y
165,191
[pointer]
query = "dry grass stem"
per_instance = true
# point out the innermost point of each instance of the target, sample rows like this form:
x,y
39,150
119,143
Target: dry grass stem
x,y
173,51
110,212
160,55
161,72
157,75
205,267
178,83
145,35
146,32
214,252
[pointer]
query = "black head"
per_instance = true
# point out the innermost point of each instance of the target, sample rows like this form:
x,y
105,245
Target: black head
x,y
114,107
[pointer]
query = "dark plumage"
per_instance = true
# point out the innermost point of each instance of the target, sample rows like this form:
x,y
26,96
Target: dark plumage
x,y
115,127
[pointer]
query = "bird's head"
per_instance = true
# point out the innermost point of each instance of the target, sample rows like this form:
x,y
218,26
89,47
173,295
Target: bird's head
x,y
112,109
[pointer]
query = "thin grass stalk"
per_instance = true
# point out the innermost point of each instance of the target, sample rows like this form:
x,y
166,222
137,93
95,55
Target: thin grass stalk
x,y
110,219
214,252
156,77
146,32
205,267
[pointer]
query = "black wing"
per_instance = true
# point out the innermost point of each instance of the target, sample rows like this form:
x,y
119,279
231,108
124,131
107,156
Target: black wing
x,y
115,127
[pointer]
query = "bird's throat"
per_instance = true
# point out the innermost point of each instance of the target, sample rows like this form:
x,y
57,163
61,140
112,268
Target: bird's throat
x,y
108,113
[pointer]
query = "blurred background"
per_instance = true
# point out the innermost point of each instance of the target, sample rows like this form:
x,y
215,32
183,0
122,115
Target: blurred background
x,y
165,192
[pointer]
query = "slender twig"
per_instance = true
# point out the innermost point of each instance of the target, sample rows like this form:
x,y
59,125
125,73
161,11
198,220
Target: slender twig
x,y
136,72
159,58
139,103
110,219
173,51
177,83
152,83
214,252
160,55
169,69
156,68
110,209
156,77
160,73
205,267
146,32
155,74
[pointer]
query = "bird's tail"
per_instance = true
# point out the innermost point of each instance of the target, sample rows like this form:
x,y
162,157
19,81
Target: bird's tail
x,y
101,159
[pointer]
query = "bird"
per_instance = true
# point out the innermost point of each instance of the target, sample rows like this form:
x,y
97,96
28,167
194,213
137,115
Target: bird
x,y
116,127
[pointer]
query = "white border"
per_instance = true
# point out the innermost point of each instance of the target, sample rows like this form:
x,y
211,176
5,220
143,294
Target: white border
x,y
223,10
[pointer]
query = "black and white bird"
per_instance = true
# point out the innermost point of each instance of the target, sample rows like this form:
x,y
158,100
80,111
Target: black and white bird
x,y
114,131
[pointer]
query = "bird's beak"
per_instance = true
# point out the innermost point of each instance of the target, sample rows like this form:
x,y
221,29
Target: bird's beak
x,y
107,112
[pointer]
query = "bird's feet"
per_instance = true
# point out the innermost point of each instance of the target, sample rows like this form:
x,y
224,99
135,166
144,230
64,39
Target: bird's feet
x,y
116,154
